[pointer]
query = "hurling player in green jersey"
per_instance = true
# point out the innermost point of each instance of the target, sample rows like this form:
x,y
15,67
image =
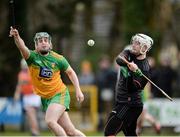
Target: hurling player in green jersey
x,y
45,66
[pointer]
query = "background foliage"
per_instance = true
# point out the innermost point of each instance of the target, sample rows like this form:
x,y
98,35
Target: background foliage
x,y
72,22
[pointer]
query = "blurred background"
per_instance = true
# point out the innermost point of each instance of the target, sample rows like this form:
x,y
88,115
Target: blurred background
x,y
111,24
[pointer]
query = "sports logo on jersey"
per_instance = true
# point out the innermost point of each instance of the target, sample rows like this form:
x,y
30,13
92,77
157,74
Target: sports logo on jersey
x,y
53,65
45,72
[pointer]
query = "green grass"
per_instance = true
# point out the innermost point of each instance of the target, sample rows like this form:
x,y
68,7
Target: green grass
x,y
146,132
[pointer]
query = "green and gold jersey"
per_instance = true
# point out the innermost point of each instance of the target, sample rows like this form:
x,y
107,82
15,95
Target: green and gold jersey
x,y
45,73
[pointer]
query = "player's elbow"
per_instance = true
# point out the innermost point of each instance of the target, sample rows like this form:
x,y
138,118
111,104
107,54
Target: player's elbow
x,y
69,72
120,62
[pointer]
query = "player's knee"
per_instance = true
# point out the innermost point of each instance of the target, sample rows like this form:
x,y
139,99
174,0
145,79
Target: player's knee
x,y
50,123
71,132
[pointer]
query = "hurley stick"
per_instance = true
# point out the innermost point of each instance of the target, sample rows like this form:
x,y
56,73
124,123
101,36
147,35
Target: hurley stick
x,y
162,91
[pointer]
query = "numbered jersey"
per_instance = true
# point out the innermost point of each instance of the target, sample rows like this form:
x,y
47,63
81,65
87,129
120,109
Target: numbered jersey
x,y
45,73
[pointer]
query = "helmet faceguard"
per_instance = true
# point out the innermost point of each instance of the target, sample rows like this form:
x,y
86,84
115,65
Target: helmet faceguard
x,y
42,35
144,40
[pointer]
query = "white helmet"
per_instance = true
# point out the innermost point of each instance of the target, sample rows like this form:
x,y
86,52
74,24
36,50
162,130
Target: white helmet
x,y
143,40
41,35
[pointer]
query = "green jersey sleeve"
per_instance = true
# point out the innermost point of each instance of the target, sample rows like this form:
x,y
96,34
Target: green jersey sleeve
x,y
31,57
63,64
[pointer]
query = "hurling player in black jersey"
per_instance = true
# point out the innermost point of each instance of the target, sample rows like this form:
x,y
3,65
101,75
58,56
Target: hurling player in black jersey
x,y
130,83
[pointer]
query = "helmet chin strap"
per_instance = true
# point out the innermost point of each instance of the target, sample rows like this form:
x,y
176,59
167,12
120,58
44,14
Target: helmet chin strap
x,y
43,53
143,52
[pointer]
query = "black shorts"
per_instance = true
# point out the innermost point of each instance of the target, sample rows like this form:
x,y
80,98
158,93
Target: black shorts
x,y
122,118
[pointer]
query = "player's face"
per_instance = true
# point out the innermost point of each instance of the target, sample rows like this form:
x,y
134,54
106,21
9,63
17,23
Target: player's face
x,y
43,45
136,47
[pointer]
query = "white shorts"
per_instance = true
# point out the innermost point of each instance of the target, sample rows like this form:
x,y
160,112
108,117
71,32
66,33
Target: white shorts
x,y
31,100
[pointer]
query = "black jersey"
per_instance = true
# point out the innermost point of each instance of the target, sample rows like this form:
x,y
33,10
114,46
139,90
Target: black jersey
x,y
129,85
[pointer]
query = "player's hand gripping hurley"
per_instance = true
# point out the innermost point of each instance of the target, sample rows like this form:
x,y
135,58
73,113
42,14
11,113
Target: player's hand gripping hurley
x,y
149,80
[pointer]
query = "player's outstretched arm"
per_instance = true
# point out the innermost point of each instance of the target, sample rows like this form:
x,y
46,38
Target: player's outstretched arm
x,y
73,77
19,42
